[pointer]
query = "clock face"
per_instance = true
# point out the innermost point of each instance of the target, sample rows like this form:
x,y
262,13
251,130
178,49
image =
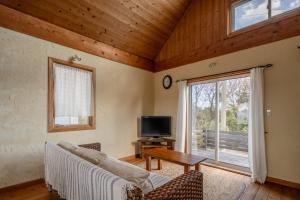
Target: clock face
x,y
167,81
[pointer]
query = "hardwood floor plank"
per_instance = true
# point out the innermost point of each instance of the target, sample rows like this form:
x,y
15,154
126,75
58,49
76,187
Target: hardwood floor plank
x,y
250,192
289,194
275,191
262,193
37,191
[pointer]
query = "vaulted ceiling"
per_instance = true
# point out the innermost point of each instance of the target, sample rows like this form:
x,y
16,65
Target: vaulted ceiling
x,y
140,27
153,35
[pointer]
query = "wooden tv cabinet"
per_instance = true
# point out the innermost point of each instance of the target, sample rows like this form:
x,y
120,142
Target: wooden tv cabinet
x,y
149,143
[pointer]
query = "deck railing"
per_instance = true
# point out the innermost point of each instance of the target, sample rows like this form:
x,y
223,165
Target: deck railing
x,y
228,140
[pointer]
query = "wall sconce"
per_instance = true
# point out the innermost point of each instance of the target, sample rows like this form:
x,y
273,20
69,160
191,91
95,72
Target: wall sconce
x,y
212,65
75,58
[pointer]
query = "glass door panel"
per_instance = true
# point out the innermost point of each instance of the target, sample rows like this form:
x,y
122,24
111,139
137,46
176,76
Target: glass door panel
x,y
222,135
203,122
233,121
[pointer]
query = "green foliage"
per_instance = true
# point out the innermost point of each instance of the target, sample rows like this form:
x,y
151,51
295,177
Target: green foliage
x,y
231,119
203,103
204,119
232,122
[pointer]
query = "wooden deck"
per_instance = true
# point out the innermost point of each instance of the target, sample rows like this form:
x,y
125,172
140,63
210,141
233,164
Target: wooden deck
x,y
233,146
233,140
232,157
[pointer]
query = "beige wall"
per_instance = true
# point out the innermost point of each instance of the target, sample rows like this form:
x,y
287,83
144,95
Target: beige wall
x,y
282,96
122,94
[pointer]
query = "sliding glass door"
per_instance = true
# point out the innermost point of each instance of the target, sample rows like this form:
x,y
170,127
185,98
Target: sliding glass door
x,y
203,120
219,119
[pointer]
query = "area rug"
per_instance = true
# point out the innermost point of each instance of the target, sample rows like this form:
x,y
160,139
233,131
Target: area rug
x,y
217,184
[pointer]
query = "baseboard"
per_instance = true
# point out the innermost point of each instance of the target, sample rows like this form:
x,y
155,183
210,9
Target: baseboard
x,y
128,158
283,182
22,185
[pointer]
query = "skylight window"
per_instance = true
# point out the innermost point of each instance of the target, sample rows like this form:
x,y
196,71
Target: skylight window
x,y
281,6
248,12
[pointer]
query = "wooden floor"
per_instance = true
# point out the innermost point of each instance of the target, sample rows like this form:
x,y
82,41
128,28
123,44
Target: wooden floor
x,y
38,191
268,191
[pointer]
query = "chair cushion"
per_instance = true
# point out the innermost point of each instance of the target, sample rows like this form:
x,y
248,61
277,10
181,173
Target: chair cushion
x,y
90,155
131,173
67,146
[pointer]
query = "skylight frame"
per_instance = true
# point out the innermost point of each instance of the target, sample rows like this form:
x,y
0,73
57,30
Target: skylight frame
x,y
231,16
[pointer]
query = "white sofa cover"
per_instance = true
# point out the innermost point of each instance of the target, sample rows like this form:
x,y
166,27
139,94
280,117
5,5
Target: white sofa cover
x,y
77,179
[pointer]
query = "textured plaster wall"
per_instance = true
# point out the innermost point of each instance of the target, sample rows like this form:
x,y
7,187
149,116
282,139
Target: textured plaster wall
x,y
282,96
123,93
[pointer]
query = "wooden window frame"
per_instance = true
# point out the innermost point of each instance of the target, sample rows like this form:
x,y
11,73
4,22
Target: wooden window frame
x,y
271,19
51,110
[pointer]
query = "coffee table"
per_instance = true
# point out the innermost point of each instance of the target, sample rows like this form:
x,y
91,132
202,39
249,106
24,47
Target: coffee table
x,y
184,159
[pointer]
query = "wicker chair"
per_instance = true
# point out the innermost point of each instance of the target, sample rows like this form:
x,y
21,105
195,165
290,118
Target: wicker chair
x,y
188,186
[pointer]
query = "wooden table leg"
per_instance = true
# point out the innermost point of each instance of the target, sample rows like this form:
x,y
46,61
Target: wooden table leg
x,y
197,167
187,168
159,164
148,163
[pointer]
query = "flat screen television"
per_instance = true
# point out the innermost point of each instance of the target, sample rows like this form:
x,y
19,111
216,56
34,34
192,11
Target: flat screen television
x,y
155,126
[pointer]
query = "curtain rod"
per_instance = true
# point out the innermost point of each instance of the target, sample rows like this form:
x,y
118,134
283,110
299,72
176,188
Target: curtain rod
x,y
227,73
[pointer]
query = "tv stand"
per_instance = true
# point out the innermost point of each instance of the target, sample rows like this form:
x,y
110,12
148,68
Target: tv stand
x,y
155,139
146,143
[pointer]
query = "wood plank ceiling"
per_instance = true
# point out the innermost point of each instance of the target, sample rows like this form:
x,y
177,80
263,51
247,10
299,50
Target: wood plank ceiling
x,y
140,27
203,33
154,35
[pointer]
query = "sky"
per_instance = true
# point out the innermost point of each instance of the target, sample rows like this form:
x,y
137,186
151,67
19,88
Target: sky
x,y
210,88
255,11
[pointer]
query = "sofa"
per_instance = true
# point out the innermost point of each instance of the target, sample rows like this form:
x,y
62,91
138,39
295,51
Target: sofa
x,y
73,177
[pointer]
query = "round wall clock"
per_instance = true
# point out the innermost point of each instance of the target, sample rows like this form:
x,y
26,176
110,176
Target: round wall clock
x,y
167,81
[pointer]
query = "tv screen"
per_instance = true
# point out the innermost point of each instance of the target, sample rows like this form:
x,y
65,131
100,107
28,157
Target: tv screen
x,y
156,126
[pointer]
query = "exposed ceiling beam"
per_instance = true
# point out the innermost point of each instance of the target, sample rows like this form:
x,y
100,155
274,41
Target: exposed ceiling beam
x,y
20,22
190,41
139,27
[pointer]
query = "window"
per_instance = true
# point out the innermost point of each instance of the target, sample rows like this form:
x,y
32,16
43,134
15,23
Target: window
x,y
248,12
281,6
219,119
71,94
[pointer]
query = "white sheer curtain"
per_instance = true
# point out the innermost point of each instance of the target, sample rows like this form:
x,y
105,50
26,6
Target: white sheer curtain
x,y
72,92
181,116
257,152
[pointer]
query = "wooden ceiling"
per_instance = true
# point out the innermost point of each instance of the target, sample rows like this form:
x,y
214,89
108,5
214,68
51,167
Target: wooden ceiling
x,y
153,35
202,33
140,27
